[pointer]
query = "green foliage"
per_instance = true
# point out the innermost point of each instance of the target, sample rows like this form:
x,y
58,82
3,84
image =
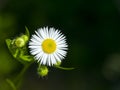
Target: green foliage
x,y
20,53
11,84
27,32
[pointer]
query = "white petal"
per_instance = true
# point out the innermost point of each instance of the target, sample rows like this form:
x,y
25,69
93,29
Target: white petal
x,y
56,57
36,48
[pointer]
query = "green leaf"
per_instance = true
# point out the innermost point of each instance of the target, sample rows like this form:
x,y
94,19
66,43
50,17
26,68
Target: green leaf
x,y
16,53
26,58
8,42
11,84
27,32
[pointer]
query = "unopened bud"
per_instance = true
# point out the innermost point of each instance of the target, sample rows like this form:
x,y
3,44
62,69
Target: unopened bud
x,y
25,37
57,64
19,42
42,71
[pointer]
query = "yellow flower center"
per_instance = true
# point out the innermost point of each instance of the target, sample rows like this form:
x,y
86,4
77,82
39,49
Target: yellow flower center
x,y
49,46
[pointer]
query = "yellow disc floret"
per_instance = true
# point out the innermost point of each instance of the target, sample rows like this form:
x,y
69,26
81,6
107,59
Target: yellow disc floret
x,y
49,46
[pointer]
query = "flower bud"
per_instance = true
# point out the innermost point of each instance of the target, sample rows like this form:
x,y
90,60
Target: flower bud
x,y
42,71
57,64
25,37
19,42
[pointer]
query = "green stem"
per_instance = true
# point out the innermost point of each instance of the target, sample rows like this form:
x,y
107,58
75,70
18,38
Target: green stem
x,y
16,82
64,68
18,79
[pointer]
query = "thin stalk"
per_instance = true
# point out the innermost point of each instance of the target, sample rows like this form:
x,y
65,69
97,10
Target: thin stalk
x,y
19,77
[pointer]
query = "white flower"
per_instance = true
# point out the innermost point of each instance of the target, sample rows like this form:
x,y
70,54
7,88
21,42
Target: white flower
x,y
48,46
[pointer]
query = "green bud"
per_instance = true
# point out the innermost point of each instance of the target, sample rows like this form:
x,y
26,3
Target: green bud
x,y
25,37
42,71
57,64
19,42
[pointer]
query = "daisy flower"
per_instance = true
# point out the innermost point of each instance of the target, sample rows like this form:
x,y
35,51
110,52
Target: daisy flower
x,y
48,46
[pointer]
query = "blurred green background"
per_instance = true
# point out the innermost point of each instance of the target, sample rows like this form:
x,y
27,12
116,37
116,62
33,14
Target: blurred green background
x,y
92,28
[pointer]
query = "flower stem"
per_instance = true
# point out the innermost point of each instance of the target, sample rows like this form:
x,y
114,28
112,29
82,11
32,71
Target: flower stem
x,y
16,82
64,68
18,79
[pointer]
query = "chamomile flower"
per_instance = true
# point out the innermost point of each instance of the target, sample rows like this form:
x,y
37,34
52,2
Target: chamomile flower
x,y
48,46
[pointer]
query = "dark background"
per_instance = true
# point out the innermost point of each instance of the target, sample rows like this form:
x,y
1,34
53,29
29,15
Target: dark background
x,y
92,28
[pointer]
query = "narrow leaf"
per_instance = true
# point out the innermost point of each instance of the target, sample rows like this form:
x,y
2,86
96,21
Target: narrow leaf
x,y
27,32
8,42
11,84
27,58
16,53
